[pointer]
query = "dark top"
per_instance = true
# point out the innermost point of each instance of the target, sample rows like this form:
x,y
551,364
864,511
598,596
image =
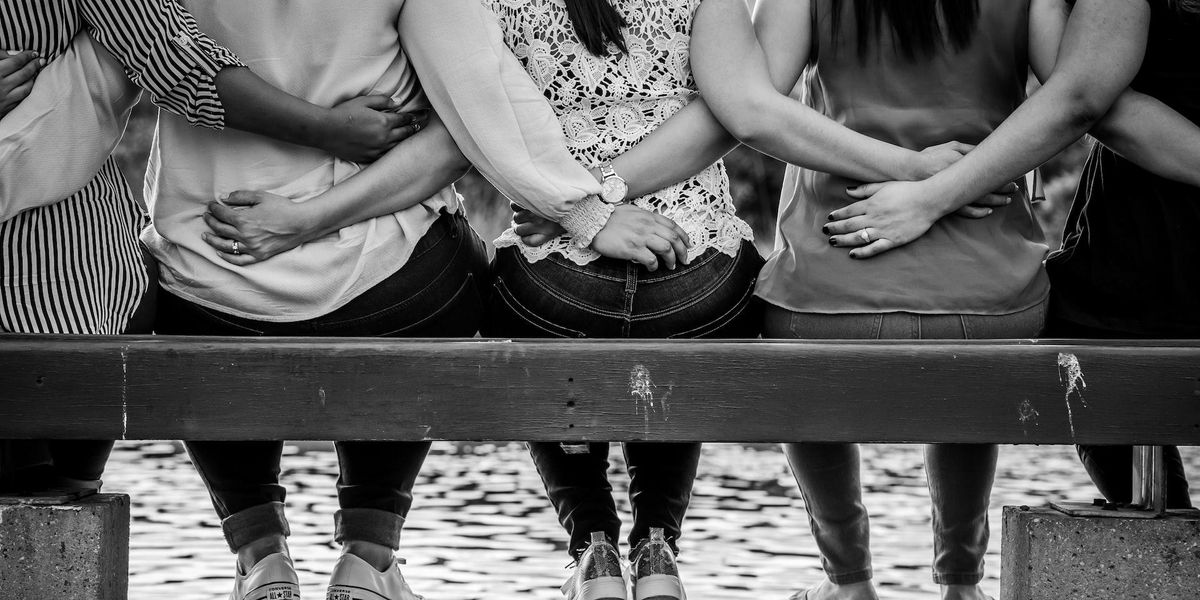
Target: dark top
x,y
960,266
1130,261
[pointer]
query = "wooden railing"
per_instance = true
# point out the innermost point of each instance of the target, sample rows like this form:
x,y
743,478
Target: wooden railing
x,y
1014,392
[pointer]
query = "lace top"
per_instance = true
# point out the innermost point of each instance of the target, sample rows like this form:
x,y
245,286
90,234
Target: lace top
x,y
607,104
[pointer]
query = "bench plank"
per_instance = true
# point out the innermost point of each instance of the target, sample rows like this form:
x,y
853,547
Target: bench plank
x,y
158,387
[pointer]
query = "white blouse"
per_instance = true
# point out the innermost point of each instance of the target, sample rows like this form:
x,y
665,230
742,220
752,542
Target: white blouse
x,y
606,105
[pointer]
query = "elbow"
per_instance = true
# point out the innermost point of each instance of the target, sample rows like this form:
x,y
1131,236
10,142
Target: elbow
x,y
746,123
1084,108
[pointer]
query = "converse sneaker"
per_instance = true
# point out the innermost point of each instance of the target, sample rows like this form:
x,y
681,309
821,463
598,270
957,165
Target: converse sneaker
x,y
597,573
654,572
272,578
354,579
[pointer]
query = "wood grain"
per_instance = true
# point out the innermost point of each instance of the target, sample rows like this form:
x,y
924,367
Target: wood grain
x,y
729,391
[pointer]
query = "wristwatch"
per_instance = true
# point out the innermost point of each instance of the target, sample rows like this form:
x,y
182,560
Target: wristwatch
x,y
613,187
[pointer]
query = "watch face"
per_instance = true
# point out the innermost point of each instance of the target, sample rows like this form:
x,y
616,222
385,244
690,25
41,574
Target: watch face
x,y
613,190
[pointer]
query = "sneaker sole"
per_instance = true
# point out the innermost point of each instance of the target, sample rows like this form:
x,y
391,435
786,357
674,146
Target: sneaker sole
x,y
658,587
343,592
603,588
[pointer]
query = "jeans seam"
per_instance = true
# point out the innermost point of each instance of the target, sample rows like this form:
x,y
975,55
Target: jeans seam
x,y
550,290
445,306
630,290
695,300
724,319
520,311
216,316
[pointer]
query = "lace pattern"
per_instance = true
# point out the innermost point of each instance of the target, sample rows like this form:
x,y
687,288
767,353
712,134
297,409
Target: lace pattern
x,y
606,105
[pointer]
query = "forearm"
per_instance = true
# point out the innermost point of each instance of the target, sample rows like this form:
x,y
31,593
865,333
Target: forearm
x,y
685,144
408,174
745,82
254,105
1153,136
1101,51
497,115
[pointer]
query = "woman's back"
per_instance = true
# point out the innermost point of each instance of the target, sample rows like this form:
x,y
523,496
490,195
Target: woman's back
x,y
607,104
986,266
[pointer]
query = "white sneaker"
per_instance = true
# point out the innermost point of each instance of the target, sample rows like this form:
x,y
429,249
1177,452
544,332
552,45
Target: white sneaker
x,y
354,579
273,578
654,572
598,574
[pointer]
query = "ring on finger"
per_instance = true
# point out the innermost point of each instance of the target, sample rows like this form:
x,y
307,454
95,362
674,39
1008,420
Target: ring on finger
x,y
236,248
416,127
865,235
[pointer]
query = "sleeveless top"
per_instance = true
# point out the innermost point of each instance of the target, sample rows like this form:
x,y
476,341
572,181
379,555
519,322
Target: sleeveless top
x,y
960,266
1130,260
606,105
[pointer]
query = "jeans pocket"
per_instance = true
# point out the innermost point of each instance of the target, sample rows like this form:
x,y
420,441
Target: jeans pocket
x,y
722,321
509,317
1027,323
854,326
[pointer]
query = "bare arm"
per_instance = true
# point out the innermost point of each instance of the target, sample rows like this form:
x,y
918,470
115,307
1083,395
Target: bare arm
x,y
745,77
1101,51
1153,136
265,224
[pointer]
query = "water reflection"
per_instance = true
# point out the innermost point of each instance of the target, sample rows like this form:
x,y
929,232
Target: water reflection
x,y
480,527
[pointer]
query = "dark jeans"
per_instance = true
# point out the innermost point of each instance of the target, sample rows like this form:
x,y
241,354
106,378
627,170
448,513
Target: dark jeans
x,y
1111,467
32,466
960,475
435,294
607,298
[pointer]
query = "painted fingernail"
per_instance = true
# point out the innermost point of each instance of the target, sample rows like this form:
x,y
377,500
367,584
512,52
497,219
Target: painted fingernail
x,y
830,217
825,229
853,255
832,242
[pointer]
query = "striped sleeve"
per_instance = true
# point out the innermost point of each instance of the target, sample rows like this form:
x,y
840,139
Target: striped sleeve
x,y
165,53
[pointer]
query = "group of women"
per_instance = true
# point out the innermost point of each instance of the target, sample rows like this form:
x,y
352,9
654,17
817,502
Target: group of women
x,y
904,215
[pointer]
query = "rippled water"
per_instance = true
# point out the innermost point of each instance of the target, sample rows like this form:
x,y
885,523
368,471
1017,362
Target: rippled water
x,y
481,528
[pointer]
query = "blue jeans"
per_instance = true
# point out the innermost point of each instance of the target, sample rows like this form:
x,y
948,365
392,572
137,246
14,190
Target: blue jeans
x,y
713,297
960,475
435,294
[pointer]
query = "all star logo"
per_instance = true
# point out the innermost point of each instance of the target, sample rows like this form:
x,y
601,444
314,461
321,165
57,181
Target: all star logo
x,y
338,596
281,593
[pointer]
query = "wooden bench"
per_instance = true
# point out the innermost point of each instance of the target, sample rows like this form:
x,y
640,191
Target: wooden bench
x,y
1007,392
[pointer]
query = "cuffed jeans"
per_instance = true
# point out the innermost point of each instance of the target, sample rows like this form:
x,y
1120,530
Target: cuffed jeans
x,y
435,294
960,475
1111,467
710,298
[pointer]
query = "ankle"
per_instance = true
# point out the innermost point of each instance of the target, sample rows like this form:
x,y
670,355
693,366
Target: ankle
x,y
860,590
251,553
963,592
377,555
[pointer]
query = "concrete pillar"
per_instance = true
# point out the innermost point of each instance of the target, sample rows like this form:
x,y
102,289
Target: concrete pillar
x,y
1047,555
73,551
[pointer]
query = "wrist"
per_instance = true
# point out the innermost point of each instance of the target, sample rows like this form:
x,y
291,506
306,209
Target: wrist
x,y
939,196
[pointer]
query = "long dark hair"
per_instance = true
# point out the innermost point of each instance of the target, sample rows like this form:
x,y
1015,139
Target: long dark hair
x,y
915,26
597,23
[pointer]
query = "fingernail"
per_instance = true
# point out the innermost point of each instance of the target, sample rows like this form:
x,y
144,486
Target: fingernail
x,y
853,255
825,229
990,211
41,62
11,52
832,242
830,217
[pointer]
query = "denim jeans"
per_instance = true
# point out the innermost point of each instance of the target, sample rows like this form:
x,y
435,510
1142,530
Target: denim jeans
x,y
960,475
435,294
712,298
1111,467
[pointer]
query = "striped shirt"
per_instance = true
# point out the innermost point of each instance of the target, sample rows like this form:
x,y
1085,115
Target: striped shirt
x,y
76,266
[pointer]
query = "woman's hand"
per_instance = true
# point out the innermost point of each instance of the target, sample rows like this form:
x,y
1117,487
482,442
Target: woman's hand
x,y
17,73
250,227
890,215
363,129
643,237
533,229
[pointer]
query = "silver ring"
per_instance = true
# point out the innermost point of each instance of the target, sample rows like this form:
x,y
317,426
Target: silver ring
x,y
866,237
236,249
416,127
